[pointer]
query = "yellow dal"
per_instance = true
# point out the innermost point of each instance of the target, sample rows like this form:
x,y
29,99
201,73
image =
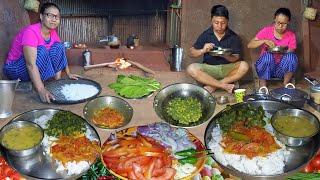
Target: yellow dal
x,y
22,138
294,126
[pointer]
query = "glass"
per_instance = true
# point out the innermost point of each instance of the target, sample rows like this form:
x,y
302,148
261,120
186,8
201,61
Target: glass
x,y
52,16
281,23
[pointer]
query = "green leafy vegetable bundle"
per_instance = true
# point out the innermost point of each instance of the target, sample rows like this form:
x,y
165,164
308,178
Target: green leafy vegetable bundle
x,y
248,113
184,110
65,123
134,86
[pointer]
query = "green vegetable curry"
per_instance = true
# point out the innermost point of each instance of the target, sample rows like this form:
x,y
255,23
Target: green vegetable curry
x,y
184,110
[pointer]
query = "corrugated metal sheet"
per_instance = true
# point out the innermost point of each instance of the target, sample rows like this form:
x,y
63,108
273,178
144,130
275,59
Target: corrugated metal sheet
x,y
149,29
82,29
85,20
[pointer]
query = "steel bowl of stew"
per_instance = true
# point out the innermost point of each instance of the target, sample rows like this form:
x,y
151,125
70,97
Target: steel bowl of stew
x,y
295,127
21,138
108,112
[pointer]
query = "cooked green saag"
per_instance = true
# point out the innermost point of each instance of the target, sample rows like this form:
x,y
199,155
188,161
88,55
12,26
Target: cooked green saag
x,y
65,123
251,115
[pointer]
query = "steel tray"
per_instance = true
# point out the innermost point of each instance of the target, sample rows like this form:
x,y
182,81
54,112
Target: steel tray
x,y
40,165
298,158
55,88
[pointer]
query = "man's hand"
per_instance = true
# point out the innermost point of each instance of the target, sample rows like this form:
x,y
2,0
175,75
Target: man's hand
x,y
269,43
45,95
207,47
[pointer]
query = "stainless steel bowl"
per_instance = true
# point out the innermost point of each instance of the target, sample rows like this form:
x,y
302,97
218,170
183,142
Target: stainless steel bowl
x,y
20,124
278,49
184,90
222,100
290,140
108,101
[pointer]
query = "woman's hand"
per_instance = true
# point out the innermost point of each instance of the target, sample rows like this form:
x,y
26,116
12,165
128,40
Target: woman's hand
x,y
269,43
45,95
73,76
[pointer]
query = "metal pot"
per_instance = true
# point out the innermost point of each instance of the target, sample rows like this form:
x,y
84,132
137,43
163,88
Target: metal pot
x,y
290,95
291,140
262,94
314,90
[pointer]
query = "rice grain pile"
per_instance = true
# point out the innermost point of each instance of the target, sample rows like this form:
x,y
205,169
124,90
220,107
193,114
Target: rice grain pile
x,y
75,92
272,164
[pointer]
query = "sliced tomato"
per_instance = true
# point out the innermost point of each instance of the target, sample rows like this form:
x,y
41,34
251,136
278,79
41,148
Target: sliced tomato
x,y
138,171
158,172
308,168
168,174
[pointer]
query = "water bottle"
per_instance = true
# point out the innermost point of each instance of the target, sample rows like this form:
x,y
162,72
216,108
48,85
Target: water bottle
x,y
86,57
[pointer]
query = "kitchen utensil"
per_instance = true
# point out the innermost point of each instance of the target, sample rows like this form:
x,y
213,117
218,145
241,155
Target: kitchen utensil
x,y
297,159
262,94
314,90
55,88
278,49
20,124
290,95
113,102
40,165
184,90
7,92
291,140
217,51
222,100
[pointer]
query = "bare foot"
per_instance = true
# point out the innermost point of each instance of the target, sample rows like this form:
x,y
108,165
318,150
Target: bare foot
x,y
210,89
229,88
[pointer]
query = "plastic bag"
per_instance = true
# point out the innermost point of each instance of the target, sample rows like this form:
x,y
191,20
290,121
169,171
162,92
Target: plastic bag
x,y
31,5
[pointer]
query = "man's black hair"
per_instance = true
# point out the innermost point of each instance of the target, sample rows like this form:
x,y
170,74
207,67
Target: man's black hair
x,y
219,10
283,11
48,5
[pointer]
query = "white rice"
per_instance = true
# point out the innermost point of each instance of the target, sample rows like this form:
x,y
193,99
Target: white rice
x,y
75,92
71,168
272,164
